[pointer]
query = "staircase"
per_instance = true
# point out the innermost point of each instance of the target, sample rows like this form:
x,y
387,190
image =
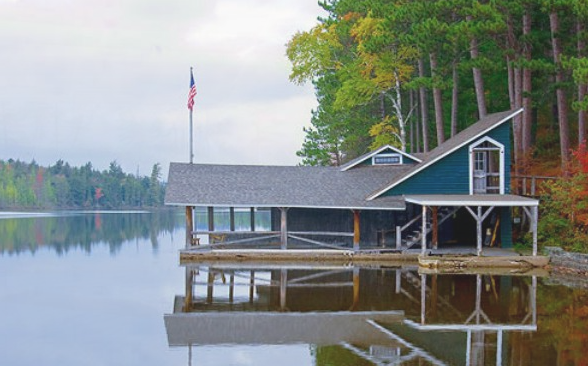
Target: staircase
x,y
416,228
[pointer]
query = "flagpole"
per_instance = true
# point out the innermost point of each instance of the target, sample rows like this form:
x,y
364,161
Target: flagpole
x,y
191,142
191,107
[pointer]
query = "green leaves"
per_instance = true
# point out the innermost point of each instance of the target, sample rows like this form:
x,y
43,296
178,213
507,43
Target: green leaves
x,y
312,53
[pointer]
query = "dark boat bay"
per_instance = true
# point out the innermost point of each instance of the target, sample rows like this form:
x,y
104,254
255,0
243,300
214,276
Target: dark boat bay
x,y
106,288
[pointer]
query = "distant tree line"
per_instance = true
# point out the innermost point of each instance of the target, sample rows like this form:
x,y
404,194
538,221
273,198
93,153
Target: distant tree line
x,y
29,185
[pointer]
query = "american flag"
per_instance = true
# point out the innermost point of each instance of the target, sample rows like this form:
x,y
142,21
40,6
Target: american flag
x,y
192,92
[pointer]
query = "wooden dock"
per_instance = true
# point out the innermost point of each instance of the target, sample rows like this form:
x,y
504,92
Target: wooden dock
x,y
450,258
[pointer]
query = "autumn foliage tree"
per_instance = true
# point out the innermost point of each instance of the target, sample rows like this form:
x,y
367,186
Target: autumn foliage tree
x,y
415,72
564,205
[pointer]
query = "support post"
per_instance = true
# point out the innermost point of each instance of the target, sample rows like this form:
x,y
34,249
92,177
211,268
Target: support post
x,y
232,218
210,287
252,216
189,293
435,227
424,232
189,226
423,298
283,286
398,237
210,218
499,348
534,219
479,231
251,286
356,230
355,288
232,288
284,227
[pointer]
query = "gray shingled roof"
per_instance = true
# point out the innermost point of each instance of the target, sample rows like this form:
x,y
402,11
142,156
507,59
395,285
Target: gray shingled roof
x,y
279,186
482,126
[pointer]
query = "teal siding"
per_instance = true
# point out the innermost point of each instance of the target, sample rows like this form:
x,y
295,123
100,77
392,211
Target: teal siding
x,y
450,175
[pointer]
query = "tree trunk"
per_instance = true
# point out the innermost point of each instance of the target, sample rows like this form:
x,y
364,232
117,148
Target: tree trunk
x,y
424,107
410,121
478,79
582,87
454,99
415,139
562,108
437,101
527,87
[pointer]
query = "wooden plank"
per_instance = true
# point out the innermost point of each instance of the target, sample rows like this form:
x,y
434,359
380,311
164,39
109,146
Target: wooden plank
x,y
322,233
321,244
223,232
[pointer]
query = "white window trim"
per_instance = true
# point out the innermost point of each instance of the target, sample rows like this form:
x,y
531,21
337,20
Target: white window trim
x,y
500,147
388,155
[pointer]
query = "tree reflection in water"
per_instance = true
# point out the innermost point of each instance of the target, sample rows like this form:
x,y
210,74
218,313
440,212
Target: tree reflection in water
x,y
65,231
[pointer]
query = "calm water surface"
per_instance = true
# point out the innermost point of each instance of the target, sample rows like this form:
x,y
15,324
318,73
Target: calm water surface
x,y
107,289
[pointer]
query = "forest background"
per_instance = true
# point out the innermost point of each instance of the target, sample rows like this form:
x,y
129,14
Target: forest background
x,y
61,186
412,73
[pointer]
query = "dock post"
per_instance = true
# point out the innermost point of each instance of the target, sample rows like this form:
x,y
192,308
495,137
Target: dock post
x,y
435,227
232,218
423,297
283,287
398,237
189,227
534,219
252,216
355,288
424,232
479,231
210,218
356,230
284,227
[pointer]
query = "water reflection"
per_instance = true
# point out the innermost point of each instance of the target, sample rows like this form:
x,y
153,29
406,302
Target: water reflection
x,y
64,231
359,316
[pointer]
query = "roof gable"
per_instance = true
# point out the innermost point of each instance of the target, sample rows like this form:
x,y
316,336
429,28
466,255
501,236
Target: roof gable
x,y
364,158
466,136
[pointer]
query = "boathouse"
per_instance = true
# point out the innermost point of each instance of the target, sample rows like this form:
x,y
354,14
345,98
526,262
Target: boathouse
x,y
457,195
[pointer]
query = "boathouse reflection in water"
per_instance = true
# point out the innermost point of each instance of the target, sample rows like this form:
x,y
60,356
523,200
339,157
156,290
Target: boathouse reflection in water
x,y
380,315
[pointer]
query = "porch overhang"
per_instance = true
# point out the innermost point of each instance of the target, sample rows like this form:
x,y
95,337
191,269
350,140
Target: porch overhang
x,y
483,200
479,206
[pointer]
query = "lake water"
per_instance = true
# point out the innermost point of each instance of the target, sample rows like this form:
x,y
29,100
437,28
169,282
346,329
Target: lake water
x,y
102,288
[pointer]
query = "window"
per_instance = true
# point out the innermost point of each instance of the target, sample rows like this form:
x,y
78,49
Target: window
x,y
387,159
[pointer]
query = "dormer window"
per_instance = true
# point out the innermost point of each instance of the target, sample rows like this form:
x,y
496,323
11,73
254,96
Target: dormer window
x,y
387,159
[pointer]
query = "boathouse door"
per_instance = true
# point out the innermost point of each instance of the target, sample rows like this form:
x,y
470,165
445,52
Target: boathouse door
x,y
480,172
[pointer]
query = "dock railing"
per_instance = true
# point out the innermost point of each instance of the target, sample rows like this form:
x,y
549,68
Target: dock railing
x,y
529,185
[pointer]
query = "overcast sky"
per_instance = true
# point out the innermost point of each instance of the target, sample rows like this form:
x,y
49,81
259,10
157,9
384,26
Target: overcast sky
x,y
104,80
